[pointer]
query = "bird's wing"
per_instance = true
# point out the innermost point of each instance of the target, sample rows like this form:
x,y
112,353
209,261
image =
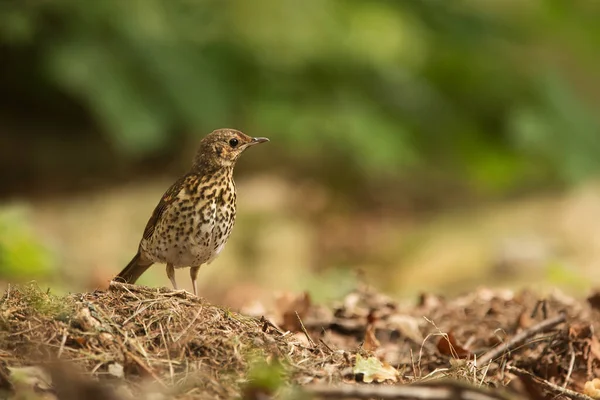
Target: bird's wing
x,y
183,183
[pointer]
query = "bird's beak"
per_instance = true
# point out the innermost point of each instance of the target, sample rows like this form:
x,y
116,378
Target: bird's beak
x,y
258,140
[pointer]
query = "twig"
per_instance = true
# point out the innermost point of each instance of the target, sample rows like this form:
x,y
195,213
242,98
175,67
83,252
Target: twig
x,y
96,367
412,363
547,385
571,364
146,368
305,331
542,304
189,325
268,324
29,329
520,338
164,340
487,368
138,312
62,344
445,391
326,346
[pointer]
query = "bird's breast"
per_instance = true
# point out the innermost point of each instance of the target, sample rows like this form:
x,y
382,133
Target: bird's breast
x,y
196,227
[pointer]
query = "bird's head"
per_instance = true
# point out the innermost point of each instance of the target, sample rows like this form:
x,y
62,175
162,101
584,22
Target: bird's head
x,y
222,148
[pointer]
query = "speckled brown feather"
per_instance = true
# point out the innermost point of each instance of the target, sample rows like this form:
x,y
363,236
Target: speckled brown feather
x,y
167,198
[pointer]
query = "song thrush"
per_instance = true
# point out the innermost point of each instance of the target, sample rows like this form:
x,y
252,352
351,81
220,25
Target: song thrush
x,y
192,222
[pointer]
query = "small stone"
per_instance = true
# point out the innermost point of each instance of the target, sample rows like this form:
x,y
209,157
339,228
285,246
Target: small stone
x,y
116,370
85,319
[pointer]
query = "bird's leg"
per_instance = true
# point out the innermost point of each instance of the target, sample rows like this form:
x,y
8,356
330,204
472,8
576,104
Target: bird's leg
x,y
194,275
171,275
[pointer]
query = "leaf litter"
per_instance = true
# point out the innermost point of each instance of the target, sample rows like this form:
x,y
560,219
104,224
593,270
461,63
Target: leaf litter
x,y
154,343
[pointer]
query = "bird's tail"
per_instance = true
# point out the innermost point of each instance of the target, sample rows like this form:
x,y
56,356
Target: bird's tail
x,y
132,272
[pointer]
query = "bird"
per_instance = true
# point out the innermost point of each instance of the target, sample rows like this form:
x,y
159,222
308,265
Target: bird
x,y
194,218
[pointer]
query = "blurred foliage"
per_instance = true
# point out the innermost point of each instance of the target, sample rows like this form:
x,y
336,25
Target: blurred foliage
x,y
22,254
499,92
567,276
263,376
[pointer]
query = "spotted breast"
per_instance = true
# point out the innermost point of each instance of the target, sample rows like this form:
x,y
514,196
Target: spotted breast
x,y
194,229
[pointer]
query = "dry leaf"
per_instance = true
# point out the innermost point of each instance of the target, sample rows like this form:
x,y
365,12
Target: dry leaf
x,y
525,320
594,300
580,331
407,326
595,347
373,370
429,301
592,388
371,343
290,307
351,305
448,345
80,340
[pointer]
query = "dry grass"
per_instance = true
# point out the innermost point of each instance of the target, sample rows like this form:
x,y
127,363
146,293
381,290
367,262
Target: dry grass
x,y
179,342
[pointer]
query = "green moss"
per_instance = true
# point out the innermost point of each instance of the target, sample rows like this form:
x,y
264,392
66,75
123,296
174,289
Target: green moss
x,y
58,307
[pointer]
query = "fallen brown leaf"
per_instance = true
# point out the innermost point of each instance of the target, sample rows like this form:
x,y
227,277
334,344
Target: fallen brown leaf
x,y
594,300
525,320
448,345
371,343
580,331
290,308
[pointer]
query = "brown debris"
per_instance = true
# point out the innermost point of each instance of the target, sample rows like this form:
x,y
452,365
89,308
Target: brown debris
x,y
140,341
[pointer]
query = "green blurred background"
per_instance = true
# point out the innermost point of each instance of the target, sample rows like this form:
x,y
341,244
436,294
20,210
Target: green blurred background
x,y
415,145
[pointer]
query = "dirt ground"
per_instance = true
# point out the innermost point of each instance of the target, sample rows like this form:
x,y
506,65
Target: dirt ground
x,y
153,343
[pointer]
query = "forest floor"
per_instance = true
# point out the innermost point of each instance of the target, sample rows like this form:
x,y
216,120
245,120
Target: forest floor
x,y
152,343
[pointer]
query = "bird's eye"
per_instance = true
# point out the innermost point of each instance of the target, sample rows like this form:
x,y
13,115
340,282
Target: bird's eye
x,y
233,142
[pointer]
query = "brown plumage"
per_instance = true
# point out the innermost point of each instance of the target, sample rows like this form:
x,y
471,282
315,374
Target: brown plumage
x,y
192,222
